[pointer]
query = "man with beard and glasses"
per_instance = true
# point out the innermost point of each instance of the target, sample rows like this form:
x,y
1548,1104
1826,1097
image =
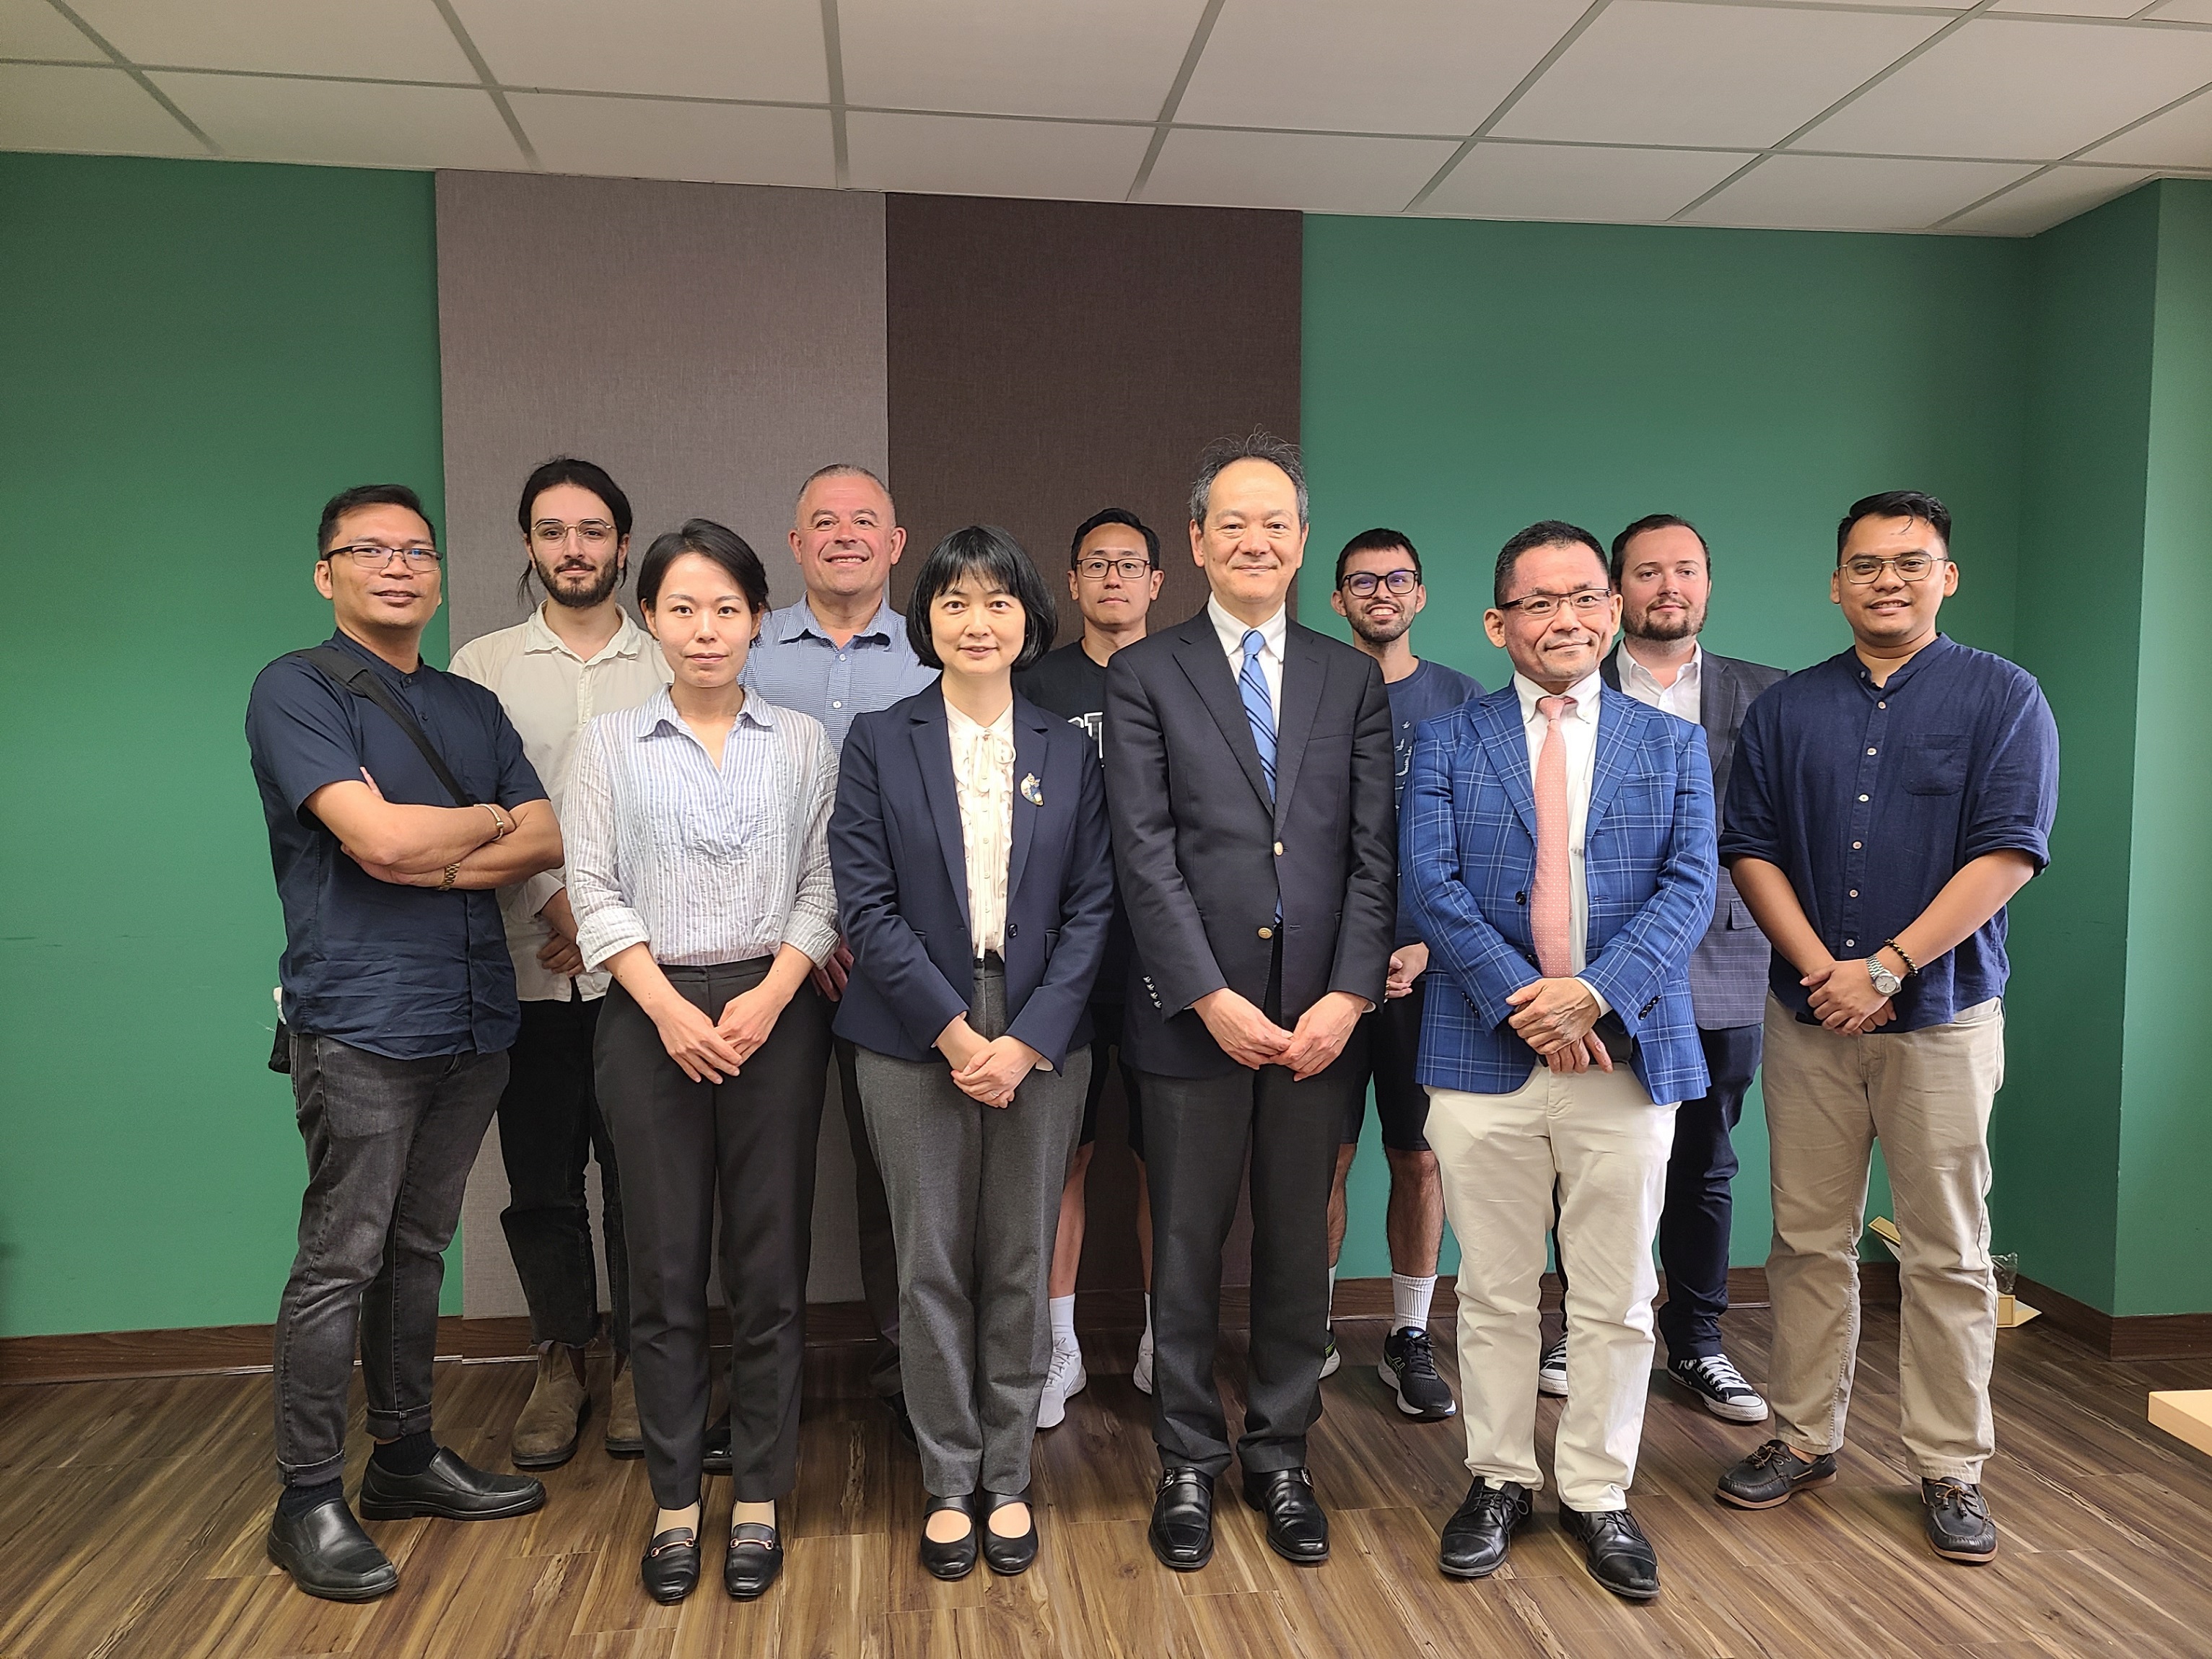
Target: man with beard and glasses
x,y
579,655
1379,592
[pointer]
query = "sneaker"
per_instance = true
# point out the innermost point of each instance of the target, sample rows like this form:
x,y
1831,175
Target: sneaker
x,y
1720,1388
1330,1358
1958,1521
1066,1377
1409,1366
1551,1371
1141,1372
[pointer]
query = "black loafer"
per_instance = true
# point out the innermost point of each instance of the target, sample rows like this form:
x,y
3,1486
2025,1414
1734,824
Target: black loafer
x,y
1958,1521
329,1555
715,1448
1296,1529
670,1567
1620,1557
1477,1536
1181,1532
449,1489
754,1558
1003,1555
958,1558
1773,1474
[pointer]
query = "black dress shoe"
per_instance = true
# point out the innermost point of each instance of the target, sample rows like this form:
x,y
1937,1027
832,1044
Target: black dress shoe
x,y
329,1555
670,1567
754,1559
448,1489
902,1419
1296,1529
1476,1537
1183,1520
1004,1555
1620,1557
714,1450
1773,1474
958,1558
1958,1521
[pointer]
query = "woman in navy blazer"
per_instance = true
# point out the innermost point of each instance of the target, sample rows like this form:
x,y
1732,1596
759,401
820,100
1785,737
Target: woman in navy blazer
x,y
974,885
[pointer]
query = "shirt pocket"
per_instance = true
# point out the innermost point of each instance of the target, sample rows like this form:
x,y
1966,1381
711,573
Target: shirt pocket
x,y
1936,764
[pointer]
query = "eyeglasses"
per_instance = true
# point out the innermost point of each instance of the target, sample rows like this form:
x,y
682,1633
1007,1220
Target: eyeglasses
x,y
1587,602
1862,569
1129,570
551,532
1362,584
368,555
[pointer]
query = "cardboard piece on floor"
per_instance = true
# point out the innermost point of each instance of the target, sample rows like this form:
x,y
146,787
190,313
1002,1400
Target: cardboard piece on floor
x,y
2185,1415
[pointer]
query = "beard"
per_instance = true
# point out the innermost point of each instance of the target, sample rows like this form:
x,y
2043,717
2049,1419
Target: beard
x,y
579,599
1382,633
1691,623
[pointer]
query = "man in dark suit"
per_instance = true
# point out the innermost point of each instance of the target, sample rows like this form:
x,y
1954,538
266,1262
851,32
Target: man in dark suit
x,y
1250,778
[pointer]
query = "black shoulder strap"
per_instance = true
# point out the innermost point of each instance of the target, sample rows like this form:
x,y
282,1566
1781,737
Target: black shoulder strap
x,y
362,681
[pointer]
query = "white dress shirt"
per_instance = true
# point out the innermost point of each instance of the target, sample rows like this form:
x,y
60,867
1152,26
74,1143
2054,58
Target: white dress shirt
x,y
551,694
1683,699
1578,732
1271,633
984,782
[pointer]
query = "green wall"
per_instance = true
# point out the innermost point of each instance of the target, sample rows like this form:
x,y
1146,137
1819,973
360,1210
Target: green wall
x,y
196,355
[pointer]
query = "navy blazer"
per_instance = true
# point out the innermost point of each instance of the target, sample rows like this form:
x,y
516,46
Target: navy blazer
x,y
901,870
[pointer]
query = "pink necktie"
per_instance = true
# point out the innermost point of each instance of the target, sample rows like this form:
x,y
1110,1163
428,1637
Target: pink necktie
x,y
1549,912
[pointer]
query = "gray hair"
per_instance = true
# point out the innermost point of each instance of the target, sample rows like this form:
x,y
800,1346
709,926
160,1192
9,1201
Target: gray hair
x,y
843,470
1258,445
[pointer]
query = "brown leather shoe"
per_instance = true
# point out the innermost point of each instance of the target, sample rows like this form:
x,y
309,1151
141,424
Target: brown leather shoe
x,y
546,1432
625,1437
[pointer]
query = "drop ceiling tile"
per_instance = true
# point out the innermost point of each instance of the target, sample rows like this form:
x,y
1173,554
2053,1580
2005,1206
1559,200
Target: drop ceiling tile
x,y
403,40
2011,88
1432,66
1853,192
653,138
2182,138
1098,59
32,28
346,123
1652,73
681,48
99,112
1306,171
2049,199
977,155
2070,8
1584,182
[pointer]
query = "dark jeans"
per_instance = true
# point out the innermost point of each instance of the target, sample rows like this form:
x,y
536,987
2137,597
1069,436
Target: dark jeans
x,y
1693,1228
548,1126
872,1212
389,1146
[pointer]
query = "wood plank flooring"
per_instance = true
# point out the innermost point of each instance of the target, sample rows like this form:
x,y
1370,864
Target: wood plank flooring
x,y
131,1515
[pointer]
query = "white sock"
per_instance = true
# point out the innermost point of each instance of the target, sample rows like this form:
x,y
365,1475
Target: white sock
x,y
1148,1319
1409,1302
1332,1294
1063,1320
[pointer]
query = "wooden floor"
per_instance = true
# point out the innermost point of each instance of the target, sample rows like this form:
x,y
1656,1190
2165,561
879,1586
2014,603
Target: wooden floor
x,y
131,1517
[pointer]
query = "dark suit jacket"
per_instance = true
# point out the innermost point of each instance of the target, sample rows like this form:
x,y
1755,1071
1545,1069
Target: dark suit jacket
x,y
1728,970
1206,858
901,870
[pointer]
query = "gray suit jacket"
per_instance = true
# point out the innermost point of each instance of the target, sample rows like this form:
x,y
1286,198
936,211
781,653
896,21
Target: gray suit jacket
x,y
1728,970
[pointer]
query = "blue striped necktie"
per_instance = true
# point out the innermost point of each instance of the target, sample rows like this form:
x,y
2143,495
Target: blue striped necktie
x,y
1259,709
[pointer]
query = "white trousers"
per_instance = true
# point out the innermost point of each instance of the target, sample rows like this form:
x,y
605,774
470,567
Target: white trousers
x,y
1598,1137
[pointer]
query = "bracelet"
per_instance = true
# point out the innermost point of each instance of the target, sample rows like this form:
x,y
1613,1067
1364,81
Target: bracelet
x,y
1911,966
447,885
502,826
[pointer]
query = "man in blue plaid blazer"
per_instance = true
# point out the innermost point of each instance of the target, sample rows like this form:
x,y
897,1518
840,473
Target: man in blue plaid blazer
x,y
1557,843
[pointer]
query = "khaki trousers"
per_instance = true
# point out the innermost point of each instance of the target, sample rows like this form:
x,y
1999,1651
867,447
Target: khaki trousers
x,y
1599,1138
1925,1095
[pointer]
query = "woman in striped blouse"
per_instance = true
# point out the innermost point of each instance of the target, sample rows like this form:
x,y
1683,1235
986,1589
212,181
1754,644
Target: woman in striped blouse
x,y
699,871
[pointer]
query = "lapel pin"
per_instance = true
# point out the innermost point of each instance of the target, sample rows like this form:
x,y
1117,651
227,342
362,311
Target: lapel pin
x,y
1030,791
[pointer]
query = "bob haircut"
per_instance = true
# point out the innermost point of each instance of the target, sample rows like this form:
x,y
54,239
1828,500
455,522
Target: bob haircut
x,y
991,554
708,540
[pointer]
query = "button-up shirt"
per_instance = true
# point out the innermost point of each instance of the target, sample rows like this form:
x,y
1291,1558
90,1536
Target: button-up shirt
x,y
1870,798
1579,735
551,694
1272,632
707,864
983,784
1682,699
795,665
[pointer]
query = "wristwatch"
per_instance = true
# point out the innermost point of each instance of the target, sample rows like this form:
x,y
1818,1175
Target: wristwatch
x,y
1884,981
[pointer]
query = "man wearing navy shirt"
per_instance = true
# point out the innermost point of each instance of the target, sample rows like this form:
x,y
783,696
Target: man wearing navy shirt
x,y
1884,806
399,1002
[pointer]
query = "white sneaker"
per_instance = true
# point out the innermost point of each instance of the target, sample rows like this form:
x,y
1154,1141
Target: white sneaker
x,y
1551,1371
1141,1373
1066,1377
1330,1358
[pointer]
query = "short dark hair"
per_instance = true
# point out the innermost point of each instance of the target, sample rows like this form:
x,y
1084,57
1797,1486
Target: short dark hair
x,y
1652,521
708,540
1378,540
1547,532
998,558
1896,504
1257,445
361,495
567,470
1106,515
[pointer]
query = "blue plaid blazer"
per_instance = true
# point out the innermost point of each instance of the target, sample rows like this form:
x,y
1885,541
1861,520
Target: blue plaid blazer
x,y
1467,851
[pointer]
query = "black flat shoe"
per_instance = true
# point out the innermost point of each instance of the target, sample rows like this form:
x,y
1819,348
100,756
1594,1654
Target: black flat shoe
x,y
958,1558
1620,1557
329,1555
1003,1555
754,1559
448,1489
1481,1530
1296,1529
714,1450
1181,1532
670,1567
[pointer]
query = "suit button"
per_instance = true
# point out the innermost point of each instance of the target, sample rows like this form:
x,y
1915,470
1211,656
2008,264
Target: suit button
x,y
1278,849
1267,932
1012,929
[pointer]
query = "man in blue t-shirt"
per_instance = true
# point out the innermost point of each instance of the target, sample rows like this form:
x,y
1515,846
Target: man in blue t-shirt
x,y
1379,592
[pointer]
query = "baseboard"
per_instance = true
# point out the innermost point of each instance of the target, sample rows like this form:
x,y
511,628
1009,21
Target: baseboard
x,y
2122,1336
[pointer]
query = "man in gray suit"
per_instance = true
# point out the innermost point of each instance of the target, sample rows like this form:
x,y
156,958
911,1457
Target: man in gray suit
x,y
1663,574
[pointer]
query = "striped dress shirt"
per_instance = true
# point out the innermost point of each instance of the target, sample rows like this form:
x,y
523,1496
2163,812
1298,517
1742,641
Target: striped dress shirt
x,y
704,864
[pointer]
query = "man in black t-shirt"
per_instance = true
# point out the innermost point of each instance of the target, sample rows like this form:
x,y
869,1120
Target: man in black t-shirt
x,y
1114,573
